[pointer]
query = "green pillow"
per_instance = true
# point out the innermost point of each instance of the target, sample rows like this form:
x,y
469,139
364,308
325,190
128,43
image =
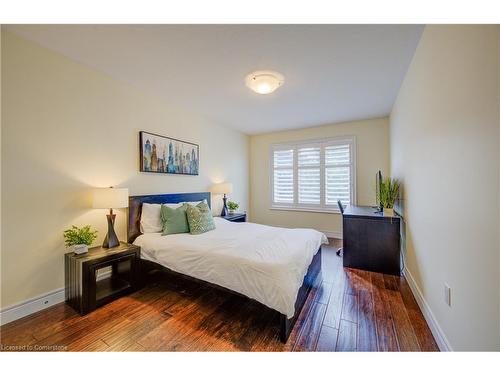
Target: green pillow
x,y
200,218
174,219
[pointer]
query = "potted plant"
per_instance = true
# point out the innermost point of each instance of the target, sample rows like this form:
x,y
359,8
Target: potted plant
x,y
389,192
232,206
79,239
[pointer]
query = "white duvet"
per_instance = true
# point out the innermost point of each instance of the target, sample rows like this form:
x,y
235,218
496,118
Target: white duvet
x,y
265,263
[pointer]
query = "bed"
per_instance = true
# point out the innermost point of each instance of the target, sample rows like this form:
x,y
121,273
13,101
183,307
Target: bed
x,y
275,266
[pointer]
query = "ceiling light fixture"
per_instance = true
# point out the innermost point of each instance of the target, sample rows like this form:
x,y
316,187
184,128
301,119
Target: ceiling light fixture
x,y
264,81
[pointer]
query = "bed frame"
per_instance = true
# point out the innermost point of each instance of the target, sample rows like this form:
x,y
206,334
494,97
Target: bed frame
x,y
311,279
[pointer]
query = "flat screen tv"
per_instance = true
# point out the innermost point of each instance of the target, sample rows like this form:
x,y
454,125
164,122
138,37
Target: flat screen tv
x,y
378,181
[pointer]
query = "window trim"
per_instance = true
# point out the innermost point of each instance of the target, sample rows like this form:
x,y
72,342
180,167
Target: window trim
x,y
322,207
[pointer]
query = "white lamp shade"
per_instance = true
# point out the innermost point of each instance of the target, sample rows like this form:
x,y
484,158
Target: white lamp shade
x,y
110,198
224,188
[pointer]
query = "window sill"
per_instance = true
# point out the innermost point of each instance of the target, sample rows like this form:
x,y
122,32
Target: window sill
x,y
305,209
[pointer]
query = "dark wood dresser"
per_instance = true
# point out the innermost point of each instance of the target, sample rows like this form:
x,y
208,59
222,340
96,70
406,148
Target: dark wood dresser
x,y
371,241
88,287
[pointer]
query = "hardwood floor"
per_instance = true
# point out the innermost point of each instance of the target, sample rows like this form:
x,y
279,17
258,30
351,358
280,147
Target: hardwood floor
x,y
353,310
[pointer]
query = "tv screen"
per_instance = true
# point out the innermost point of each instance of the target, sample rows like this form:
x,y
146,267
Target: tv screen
x,y
378,181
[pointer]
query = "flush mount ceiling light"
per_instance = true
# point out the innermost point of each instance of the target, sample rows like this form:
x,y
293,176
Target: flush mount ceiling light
x,y
264,81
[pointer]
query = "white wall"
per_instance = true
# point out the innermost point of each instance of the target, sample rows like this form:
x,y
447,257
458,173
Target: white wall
x,y
67,128
444,133
372,139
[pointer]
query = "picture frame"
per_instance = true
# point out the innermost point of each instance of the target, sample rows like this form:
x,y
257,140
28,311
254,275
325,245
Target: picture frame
x,y
162,154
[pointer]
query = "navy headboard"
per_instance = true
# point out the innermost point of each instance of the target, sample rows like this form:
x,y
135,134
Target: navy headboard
x,y
135,207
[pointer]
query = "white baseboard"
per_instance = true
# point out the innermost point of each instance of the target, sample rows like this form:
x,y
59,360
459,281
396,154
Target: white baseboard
x,y
35,304
31,306
332,234
437,332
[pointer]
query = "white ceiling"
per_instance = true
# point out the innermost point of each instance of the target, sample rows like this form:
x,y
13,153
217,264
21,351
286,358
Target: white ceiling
x,y
333,73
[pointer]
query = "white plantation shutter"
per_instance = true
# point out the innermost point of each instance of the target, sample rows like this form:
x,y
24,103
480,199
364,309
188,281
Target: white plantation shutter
x,y
313,176
283,185
283,176
337,185
283,158
309,186
308,156
308,160
337,154
338,174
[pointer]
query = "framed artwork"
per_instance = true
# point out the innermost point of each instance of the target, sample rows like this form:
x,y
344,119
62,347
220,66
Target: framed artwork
x,y
159,154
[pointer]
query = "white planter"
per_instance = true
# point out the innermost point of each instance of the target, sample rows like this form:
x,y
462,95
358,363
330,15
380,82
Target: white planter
x,y
231,211
389,212
80,249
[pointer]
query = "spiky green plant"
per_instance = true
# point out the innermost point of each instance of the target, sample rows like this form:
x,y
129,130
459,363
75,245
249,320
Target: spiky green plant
x,y
79,236
389,191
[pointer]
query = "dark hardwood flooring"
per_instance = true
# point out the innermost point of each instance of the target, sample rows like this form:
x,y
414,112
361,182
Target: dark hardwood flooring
x,y
352,310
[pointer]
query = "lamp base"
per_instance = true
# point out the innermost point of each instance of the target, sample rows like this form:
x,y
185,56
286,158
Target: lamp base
x,y
111,240
224,206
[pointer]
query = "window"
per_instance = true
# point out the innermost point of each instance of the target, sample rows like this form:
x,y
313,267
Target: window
x,y
313,175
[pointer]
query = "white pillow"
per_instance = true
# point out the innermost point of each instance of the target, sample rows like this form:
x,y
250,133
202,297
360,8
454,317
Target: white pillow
x,y
150,217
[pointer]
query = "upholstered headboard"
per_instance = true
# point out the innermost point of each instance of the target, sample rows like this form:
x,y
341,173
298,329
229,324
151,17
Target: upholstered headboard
x,y
135,207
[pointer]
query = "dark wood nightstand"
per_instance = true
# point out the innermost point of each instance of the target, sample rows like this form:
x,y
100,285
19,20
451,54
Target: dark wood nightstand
x,y
238,217
87,289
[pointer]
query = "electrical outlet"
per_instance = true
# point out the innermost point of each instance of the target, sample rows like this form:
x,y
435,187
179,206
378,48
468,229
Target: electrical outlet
x,y
447,294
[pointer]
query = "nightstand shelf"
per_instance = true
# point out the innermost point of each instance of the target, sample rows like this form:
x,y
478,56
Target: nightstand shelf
x,y
109,288
237,217
101,276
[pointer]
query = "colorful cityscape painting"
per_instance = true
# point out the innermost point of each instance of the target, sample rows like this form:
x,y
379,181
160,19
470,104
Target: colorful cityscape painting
x,y
167,155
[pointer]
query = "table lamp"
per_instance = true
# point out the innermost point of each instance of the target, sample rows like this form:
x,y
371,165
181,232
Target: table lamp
x,y
110,198
224,188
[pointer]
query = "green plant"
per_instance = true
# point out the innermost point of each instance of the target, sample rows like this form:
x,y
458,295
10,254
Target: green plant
x,y
232,205
389,191
77,236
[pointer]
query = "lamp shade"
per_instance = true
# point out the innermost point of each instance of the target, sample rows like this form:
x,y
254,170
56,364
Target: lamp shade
x,y
110,198
224,188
